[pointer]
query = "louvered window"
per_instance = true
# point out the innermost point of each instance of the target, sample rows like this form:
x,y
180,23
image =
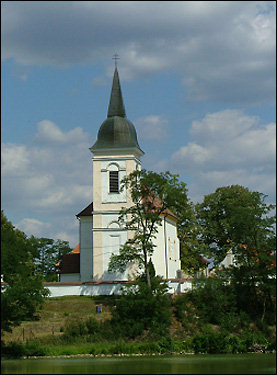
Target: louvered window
x,y
114,185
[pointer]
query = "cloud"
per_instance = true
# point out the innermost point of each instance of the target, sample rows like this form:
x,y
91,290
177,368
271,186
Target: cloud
x,y
33,227
221,51
229,147
50,180
153,127
48,132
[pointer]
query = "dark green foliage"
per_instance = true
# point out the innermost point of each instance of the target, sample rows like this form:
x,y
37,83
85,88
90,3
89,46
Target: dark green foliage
x,y
92,325
24,293
234,218
218,342
17,350
46,254
141,308
13,349
215,301
75,328
153,194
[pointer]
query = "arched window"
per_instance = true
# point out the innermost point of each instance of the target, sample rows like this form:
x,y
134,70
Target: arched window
x,y
114,181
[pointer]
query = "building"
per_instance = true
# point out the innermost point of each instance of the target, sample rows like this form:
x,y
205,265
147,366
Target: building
x,y
116,153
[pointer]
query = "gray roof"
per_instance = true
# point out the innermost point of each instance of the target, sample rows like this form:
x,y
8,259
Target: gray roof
x,y
116,132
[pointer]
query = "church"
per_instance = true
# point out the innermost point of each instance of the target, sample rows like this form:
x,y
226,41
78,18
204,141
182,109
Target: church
x,y
115,154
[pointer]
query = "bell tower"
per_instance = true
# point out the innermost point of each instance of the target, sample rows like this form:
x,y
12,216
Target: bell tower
x,y
116,153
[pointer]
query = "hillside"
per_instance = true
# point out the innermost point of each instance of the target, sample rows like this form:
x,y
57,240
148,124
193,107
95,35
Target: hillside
x,y
56,311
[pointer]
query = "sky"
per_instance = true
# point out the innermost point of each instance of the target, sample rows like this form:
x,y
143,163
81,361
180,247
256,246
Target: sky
x,y
198,82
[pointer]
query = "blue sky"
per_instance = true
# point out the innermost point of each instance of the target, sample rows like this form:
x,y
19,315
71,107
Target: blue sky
x,y
198,82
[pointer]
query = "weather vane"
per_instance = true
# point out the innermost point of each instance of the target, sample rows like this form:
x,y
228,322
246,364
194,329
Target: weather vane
x,y
115,58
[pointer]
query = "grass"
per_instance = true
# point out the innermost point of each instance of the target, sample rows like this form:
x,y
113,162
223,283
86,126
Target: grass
x,y
51,319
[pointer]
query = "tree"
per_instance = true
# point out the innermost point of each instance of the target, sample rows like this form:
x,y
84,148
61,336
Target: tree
x,y
234,218
189,234
24,293
46,253
152,195
141,308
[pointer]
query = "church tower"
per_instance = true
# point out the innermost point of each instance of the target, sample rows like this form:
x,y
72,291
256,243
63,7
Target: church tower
x,y
116,153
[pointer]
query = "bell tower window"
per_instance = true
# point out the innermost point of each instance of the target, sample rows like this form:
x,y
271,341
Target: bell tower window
x,y
114,182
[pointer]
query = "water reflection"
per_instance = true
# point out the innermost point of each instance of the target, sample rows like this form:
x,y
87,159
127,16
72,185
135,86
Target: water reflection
x,y
196,364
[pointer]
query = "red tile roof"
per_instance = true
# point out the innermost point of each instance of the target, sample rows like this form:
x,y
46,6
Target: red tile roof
x,y
76,249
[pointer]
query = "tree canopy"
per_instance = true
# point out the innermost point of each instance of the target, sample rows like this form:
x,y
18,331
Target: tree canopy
x,y
46,254
234,218
24,292
152,195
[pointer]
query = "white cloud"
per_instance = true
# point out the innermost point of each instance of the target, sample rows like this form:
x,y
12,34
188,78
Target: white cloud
x,y
48,132
153,127
221,50
33,227
50,179
229,147
15,160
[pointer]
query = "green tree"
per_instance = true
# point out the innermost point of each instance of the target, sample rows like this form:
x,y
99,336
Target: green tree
x,y
234,218
152,195
141,308
24,293
189,234
46,253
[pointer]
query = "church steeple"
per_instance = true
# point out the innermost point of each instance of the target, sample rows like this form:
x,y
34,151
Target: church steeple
x,y
116,106
116,132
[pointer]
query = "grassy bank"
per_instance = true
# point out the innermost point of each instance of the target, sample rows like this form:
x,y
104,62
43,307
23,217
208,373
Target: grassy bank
x,y
56,312
71,326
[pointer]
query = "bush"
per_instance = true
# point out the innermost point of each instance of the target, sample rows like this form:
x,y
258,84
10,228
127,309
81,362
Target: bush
x,y
13,349
34,349
211,343
215,300
141,309
17,350
74,328
254,341
92,325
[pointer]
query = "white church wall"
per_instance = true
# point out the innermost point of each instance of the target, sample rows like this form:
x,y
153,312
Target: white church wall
x,y
159,255
166,256
69,277
173,248
98,289
86,253
112,238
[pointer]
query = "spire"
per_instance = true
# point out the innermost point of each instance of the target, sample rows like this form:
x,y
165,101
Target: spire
x,y
116,106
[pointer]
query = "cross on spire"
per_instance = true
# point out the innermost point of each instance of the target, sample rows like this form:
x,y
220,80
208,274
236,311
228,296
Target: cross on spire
x,y
116,57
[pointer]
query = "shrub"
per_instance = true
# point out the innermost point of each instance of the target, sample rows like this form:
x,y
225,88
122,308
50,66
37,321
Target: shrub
x,y
13,349
210,343
74,328
141,309
254,341
92,325
166,345
214,299
34,349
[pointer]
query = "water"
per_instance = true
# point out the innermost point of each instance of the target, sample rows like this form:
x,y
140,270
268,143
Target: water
x,y
186,364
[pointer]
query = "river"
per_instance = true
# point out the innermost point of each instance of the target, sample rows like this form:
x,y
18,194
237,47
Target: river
x,y
255,363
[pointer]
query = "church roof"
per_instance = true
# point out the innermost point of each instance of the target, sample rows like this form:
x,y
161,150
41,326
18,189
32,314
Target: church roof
x,y
116,106
86,211
116,132
70,263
